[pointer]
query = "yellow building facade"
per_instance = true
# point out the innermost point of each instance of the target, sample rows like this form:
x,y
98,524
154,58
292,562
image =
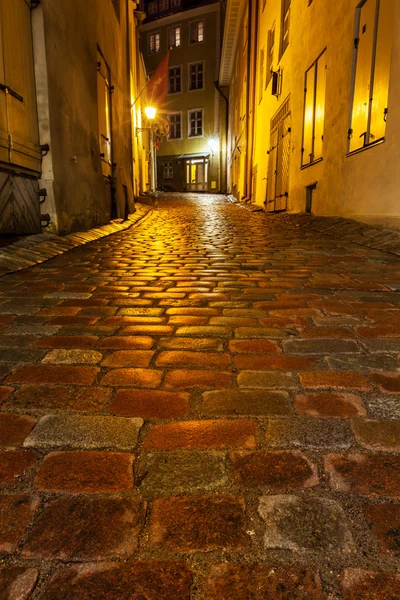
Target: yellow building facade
x,y
313,111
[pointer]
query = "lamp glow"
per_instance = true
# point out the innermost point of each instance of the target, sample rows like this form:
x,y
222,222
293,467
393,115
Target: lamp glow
x,y
150,112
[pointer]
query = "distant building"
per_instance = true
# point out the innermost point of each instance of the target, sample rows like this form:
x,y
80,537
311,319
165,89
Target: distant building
x,y
69,74
314,111
188,158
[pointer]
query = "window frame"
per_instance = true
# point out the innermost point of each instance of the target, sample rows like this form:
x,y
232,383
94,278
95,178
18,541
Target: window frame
x,y
285,29
168,169
174,30
161,3
270,54
190,65
181,81
173,139
191,24
117,8
149,36
190,112
315,65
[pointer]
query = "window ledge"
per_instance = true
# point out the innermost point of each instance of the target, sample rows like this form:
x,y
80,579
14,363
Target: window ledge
x,y
372,145
314,162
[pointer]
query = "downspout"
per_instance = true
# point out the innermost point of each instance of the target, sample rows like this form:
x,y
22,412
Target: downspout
x,y
128,66
218,88
251,83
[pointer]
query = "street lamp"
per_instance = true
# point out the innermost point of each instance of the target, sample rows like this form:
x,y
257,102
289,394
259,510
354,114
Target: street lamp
x,y
150,112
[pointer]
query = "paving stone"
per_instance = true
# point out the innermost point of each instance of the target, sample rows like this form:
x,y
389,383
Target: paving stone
x,y
377,435
14,429
125,343
310,433
191,344
150,404
85,472
152,580
323,347
370,585
284,363
330,405
181,379
198,524
48,374
5,392
250,581
274,470
202,434
72,341
16,513
128,358
75,431
147,330
246,402
43,397
147,378
312,524
53,535
71,357
177,472
267,380
261,332
14,464
21,355
363,363
385,407
254,347
384,522
388,383
193,359
17,583
338,380
364,474
41,330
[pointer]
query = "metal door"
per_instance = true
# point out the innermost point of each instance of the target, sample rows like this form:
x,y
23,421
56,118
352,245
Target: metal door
x,y
20,154
279,160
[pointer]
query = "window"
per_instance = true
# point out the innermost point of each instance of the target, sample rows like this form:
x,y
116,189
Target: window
x,y
175,3
175,126
196,32
117,8
373,43
174,80
164,5
285,25
104,113
154,43
174,37
195,123
261,75
270,55
196,76
152,8
168,171
314,111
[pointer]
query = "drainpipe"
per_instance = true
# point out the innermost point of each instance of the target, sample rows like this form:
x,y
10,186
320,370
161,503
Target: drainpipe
x,y
128,66
218,88
251,83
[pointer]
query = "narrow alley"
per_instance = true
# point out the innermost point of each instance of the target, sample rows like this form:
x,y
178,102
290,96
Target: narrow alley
x,y
205,406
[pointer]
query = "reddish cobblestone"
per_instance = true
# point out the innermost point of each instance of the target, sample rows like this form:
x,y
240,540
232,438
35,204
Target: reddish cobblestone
x,y
16,513
128,358
254,347
274,470
152,580
71,341
150,404
147,378
17,583
364,474
182,379
384,522
378,435
335,379
370,585
283,363
5,392
327,332
388,383
53,535
193,359
14,429
85,472
46,374
330,405
260,581
143,330
14,464
43,397
198,524
125,342
202,434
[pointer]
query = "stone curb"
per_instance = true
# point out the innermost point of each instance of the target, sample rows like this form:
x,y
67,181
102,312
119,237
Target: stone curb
x,y
35,249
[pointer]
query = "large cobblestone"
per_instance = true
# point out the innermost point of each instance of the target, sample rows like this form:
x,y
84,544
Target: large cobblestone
x,y
204,406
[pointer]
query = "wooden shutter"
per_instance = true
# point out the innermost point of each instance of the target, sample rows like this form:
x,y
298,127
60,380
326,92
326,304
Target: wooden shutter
x,y
319,113
309,116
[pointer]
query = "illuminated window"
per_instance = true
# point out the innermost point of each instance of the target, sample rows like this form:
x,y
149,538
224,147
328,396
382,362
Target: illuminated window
x,y
174,37
152,8
175,126
195,123
285,25
168,171
270,55
196,76
314,112
154,43
174,80
373,48
196,32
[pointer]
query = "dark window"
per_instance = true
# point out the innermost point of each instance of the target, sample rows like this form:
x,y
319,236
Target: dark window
x,y
195,123
168,171
196,76
174,80
270,55
285,25
175,126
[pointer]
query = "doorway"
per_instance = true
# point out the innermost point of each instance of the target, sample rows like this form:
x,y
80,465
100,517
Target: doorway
x,y
197,175
279,160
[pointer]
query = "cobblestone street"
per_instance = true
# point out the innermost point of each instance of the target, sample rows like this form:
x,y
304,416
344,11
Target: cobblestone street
x,y
205,406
